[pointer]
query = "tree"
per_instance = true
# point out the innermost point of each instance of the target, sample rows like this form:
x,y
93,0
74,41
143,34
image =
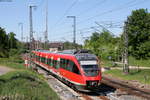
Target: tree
x,y
9,45
70,45
3,43
12,40
103,44
138,30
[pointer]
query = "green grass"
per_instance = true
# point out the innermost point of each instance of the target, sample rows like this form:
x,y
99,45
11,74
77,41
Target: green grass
x,y
142,62
16,63
24,83
108,63
27,84
143,76
132,62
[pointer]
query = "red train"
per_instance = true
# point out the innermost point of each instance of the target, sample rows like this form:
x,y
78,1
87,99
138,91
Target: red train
x,y
79,69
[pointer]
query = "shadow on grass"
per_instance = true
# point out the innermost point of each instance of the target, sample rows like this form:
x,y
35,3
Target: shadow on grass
x,y
134,72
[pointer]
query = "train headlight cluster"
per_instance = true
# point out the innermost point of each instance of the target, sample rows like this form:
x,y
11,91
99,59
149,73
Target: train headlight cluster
x,y
92,83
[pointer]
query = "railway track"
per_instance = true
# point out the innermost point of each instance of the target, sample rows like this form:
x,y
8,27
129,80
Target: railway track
x,y
127,88
106,91
67,93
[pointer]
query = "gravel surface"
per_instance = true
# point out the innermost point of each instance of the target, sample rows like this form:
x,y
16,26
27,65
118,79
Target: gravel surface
x,y
4,70
61,89
104,92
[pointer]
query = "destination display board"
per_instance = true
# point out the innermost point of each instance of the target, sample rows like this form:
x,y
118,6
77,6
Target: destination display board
x,y
88,62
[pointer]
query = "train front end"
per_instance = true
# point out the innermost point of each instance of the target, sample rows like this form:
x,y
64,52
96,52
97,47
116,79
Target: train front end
x,y
90,70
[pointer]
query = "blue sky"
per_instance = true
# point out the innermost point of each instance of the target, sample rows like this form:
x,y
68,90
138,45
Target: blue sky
x,y
60,27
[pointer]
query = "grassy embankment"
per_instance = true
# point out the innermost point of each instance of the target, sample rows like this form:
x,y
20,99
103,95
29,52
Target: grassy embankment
x,y
12,62
24,83
141,75
132,62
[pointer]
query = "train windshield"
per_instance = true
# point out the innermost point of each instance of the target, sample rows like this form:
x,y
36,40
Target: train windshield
x,y
91,70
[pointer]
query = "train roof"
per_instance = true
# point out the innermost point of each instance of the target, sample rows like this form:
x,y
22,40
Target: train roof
x,y
79,54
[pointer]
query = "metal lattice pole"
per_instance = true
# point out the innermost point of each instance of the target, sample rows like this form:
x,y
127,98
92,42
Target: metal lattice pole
x,y
125,54
74,29
46,31
22,38
31,32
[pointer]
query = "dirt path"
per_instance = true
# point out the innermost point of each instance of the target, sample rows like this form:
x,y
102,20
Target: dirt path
x,y
133,67
4,70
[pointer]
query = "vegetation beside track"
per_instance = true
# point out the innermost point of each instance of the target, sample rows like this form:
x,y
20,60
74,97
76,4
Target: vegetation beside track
x,y
142,75
132,62
141,63
13,62
26,85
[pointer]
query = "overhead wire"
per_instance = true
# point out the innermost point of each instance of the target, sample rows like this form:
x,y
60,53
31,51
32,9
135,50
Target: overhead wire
x,y
92,7
87,28
70,32
106,12
66,12
89,9
113,10
130,4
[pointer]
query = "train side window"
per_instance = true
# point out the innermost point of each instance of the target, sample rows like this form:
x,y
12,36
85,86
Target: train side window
x,y
46,60
75,69
70,65
49,62
67,64
37,58
34,55
54,63
58,64
63,63
40,58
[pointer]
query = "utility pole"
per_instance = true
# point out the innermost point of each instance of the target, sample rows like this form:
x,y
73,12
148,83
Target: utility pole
x,y
31,26
74,30
125,53
31,32
21,24
46,31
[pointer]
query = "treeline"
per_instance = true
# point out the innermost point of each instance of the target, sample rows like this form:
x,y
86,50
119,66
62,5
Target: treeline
x,y
137,26
69,45
104,45
9,45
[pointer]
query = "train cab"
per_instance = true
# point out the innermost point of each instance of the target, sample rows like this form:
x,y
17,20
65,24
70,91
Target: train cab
x,y
90,69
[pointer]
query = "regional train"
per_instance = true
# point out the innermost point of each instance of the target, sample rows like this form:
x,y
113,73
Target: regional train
x,y
77,68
